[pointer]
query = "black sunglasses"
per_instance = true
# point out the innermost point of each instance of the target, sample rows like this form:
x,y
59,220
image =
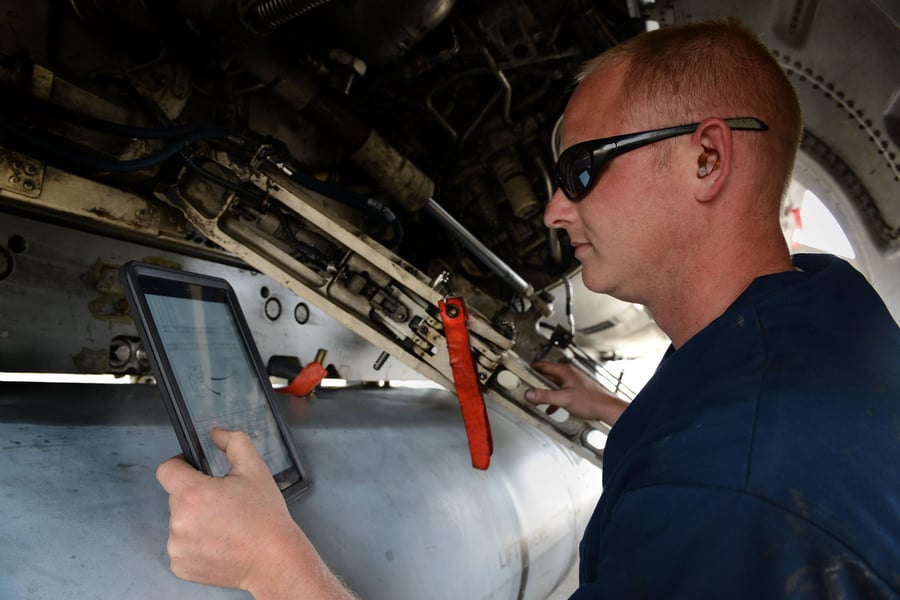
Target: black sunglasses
x,y
578,167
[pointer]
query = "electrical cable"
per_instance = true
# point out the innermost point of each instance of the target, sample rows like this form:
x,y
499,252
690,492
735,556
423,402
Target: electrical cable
x,y
58,149
310,252
359,202
570,315
254,194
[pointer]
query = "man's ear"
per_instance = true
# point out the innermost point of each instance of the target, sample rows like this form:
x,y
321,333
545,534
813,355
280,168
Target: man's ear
x,y
713,144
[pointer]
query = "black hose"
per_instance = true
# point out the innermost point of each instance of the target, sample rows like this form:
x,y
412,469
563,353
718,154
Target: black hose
x,y
254,194
391,232
56,149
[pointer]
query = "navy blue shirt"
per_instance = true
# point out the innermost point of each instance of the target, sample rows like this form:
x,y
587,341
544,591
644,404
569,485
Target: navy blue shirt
x,y
762,460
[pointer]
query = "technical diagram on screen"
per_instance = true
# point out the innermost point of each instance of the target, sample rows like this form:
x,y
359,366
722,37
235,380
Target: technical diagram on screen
x,y
209,370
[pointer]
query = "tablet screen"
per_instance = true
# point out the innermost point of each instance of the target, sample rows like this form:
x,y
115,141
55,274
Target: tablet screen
x,y
214,372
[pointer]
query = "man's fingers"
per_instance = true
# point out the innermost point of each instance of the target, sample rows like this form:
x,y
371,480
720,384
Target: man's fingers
x,y
556,372
239,449
555,398
536,396
175,474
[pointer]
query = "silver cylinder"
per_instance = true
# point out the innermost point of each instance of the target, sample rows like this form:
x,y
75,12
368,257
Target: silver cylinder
x,y
395,507
398,511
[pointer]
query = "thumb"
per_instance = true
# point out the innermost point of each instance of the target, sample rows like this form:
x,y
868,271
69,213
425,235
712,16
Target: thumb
x,y
242,454
175,474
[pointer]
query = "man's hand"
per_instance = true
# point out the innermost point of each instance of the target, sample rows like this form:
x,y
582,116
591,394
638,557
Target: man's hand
x,y
236,531
578,393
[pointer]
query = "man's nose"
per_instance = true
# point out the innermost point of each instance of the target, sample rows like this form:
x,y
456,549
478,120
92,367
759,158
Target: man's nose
x,y
559,211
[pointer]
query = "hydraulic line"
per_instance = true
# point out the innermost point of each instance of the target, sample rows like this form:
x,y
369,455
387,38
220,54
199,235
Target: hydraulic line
x,y
474,245
57,149
359,202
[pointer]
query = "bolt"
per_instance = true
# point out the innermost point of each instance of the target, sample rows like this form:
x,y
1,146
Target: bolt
x,y
440,280
123,353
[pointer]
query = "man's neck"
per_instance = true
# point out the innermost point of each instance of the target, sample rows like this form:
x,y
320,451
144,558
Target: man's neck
x,y
697,302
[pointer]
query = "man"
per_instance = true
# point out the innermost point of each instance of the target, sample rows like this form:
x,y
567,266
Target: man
x,y
761,459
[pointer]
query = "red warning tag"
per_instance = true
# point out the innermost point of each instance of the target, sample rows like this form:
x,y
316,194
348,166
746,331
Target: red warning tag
x,y
465,378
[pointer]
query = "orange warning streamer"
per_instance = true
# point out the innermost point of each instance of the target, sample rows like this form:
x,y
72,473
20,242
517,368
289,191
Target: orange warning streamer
x,y
465,378
306,380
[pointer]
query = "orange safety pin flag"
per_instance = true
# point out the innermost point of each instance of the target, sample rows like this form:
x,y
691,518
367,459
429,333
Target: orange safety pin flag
x,y
465,378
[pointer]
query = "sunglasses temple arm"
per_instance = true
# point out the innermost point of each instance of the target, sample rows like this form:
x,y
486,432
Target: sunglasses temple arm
x,y
630,142
747,124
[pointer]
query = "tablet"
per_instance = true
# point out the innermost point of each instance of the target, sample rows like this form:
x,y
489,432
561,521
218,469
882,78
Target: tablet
x,y
208,369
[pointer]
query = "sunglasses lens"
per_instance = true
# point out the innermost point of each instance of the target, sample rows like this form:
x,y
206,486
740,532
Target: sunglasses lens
x,y
575,171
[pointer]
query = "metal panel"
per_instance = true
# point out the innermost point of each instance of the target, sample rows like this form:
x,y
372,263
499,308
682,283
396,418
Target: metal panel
x,y
62,305
395,507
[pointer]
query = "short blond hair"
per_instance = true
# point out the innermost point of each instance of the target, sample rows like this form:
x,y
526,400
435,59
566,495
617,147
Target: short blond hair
x,y
685,73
